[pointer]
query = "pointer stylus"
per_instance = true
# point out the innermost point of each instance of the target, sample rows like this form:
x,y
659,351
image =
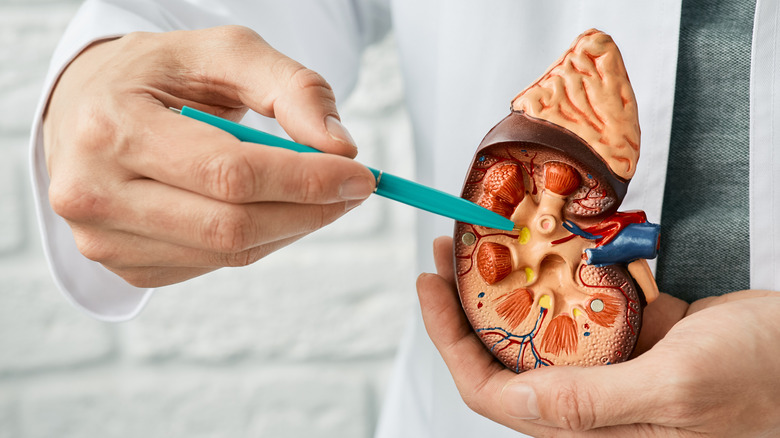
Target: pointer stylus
x,y
387,185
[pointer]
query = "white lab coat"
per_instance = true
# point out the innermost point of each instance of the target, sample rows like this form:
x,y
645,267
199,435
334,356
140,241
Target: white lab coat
x,y
462,61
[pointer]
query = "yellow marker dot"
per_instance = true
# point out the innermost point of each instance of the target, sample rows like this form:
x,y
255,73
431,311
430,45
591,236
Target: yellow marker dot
x,y
529,275
576,312
525,236
545,301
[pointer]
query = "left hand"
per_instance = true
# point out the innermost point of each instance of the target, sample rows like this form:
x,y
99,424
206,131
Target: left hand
x,y
708,369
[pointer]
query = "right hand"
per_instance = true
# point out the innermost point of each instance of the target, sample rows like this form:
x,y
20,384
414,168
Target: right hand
x,y
711,369
159,198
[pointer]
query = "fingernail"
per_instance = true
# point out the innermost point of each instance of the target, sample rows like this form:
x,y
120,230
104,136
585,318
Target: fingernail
x,y
338,132
519,401
356,187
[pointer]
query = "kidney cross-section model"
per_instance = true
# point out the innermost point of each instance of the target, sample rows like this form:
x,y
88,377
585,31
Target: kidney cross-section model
x,y
568,286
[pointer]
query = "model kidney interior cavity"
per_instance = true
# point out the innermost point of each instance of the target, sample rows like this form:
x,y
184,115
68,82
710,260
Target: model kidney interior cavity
x,y
568,286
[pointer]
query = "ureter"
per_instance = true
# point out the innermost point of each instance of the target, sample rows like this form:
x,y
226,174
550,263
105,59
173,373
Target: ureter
x,y
640,270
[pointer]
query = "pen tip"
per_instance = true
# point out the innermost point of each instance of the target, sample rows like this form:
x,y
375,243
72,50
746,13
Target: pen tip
x,y
176,110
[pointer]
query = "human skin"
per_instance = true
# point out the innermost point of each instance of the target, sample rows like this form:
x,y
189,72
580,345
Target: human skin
x,y
158,198
711,368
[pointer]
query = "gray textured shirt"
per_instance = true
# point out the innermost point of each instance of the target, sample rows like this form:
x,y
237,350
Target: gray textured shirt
x,y
705,220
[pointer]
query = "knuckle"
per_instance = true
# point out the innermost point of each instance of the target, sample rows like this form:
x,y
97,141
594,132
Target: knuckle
x,y
138,277
318,218
238,35
303,78
76,202
61,198
573,409
313,181
93,124
92,131
230,231
228,177
84,129
312,187
239,259
94,248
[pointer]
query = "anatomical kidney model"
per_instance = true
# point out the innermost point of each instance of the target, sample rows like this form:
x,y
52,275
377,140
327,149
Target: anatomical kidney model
x,y
568,286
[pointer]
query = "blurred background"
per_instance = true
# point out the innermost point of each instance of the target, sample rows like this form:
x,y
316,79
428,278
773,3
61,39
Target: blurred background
x,y
300,344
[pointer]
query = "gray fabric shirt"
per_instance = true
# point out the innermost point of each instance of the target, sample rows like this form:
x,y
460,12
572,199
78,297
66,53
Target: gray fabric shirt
x,y
705,220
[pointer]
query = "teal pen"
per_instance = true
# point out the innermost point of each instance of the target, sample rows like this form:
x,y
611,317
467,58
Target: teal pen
x,y
387,185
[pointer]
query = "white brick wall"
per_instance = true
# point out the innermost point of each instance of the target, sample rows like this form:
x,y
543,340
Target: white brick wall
x,y
300,344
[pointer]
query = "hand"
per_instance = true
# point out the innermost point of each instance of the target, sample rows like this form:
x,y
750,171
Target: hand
x,y
711,369
159,198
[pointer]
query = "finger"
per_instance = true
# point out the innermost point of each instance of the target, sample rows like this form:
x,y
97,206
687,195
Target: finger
x,y
443,258
149,277
235,61
125,251
658,318
192,155
159,212
704,303
580,399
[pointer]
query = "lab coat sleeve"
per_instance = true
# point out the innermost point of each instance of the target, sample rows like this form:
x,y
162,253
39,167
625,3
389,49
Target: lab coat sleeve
x,y
87,284
351,23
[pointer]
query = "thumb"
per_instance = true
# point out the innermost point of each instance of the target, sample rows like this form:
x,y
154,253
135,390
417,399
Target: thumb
x,y
300,99
246,68
581,399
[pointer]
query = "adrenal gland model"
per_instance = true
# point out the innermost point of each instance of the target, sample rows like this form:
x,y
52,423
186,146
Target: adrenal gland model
x,y
568,286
